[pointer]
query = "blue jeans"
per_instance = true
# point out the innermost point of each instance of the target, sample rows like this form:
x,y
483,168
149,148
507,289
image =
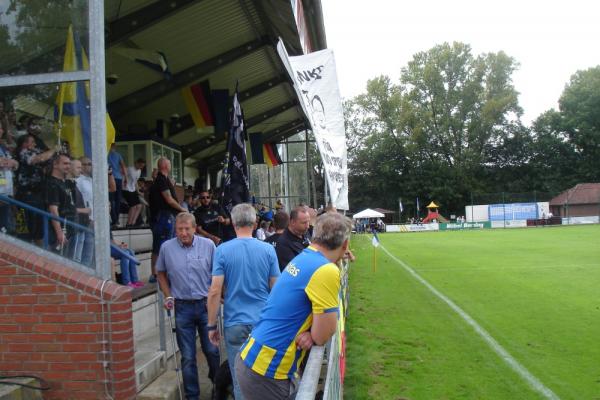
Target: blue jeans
x,y
235,336
128,267
82,245
189,319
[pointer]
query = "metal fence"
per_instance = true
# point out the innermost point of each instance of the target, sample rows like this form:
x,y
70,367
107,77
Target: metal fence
x,y
335,351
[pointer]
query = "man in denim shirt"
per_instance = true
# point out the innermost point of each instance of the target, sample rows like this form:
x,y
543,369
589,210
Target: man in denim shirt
x,y
184,267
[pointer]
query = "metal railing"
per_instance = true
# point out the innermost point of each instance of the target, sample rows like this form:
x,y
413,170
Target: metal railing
x,y
64,222
334,379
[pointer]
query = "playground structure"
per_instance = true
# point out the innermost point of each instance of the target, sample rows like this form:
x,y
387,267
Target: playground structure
x,y
433,214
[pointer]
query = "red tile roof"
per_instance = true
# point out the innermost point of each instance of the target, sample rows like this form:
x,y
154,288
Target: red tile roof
x,y
583,193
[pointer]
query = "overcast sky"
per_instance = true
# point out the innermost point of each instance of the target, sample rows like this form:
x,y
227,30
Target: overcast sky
x,y
550,39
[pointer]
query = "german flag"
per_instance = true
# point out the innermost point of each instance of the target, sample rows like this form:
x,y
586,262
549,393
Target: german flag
x,y
198,102
271,155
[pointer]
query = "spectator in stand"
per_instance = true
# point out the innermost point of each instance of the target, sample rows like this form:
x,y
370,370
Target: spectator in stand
x,y
7,124
270,230
34,128
143,196
261,233
129,275
187,202
301,311
184,273
313,220
211,219
293,239
61,203
82,213
85,186
119,170
7,167
280,222
30,179
248,269
11,130
130,191
163,208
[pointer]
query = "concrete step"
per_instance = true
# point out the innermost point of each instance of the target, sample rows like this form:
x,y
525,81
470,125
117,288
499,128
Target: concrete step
x,y
137,239
145,313
150,360
163,388
16,392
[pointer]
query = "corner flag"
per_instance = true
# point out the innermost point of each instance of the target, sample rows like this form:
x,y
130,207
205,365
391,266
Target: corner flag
x,y
72,108
375,240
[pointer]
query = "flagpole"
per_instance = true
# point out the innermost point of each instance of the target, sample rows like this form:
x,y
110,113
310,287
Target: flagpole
x,y
373,261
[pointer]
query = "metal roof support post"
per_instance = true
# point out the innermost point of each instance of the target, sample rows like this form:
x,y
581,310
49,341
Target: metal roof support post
x,y
98,122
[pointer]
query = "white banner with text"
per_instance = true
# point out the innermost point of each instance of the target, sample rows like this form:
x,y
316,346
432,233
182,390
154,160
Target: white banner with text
x,y
315,82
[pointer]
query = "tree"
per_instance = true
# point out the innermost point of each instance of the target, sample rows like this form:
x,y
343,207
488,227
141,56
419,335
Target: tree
x,y
553,156
579,107
437,133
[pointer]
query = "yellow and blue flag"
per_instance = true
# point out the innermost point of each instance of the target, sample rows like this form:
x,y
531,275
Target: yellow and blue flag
x,y
72,108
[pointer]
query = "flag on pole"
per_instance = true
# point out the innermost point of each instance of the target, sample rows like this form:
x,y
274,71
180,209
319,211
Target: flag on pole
x,y
271,155
235,186
197,99
418,207
400,206
264,153
72,108
375,240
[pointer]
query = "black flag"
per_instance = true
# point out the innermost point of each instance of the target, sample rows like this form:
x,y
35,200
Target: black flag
x,y
236,188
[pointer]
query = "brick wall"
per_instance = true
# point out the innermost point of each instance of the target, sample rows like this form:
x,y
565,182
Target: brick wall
x,y
51,325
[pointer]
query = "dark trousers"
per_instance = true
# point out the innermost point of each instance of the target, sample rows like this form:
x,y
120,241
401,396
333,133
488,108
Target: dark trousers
x,y
115,202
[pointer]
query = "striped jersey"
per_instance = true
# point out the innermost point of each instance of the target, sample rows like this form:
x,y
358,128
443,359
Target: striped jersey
x,y
309,285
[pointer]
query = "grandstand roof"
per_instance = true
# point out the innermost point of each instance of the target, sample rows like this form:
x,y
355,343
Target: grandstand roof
x,y
582,193
224,42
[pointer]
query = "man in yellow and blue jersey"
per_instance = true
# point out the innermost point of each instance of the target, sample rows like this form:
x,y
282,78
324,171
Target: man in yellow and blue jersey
x,y
301,310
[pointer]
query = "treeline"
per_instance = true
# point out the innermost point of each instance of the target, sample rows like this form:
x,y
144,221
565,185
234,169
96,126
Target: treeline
x,y
452,127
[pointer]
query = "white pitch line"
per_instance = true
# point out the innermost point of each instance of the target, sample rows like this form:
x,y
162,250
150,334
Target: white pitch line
x,y
535,383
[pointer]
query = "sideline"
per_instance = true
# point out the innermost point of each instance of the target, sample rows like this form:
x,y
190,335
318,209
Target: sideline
x,y
534,382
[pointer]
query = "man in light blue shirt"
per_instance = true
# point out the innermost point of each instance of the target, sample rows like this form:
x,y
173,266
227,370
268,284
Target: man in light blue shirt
x,y
183,268
248,269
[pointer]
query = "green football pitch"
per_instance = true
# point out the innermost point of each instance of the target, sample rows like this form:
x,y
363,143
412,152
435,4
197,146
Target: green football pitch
x,y
532,297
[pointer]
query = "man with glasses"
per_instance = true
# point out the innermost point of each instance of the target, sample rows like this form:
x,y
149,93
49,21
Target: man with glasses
x,y
212,221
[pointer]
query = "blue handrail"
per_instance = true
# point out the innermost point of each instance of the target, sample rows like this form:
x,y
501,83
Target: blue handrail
x,y
46,215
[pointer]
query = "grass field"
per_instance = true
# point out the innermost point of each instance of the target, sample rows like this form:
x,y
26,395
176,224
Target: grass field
x,y
535,291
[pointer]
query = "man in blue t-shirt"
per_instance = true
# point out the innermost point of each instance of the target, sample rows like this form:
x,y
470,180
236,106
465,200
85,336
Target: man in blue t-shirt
x,y
301,311
248,269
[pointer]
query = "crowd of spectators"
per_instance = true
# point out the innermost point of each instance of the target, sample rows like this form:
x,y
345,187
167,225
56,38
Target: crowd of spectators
x,y
279,295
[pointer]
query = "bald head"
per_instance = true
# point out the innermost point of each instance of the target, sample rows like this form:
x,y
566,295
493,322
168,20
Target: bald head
x,y
75,168
164,165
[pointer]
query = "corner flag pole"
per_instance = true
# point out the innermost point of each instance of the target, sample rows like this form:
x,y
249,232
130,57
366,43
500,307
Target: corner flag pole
x,y
375,243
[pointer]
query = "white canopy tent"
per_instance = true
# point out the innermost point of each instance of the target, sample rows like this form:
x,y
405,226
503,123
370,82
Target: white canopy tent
x,y
368,213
